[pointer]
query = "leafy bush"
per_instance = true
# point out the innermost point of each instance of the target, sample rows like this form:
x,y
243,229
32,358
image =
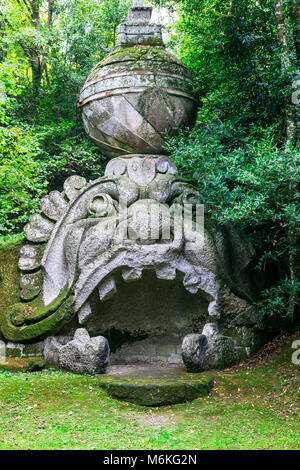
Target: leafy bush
x,y
21,178
274,301
35,160
247,181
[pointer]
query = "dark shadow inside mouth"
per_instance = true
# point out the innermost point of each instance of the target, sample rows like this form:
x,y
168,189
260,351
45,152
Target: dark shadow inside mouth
x,y
146,320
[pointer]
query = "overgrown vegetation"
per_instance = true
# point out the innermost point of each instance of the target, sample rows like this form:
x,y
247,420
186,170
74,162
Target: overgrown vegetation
x,y
243,154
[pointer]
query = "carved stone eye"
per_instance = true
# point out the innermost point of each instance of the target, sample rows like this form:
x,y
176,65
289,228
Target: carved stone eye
x,y
102,205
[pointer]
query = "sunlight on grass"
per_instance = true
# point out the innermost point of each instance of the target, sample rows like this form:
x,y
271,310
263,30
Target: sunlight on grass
x,y
248,409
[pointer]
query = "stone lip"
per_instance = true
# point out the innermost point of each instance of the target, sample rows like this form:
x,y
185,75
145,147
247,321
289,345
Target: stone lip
x,y
84,354
155,386
209,350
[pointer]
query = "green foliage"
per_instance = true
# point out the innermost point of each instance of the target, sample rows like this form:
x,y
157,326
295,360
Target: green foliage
x,y
274,300
21,179
35,160
42,136
232,49
249,182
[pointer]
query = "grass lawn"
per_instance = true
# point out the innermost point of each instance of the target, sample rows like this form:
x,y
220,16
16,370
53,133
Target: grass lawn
x,y
249,408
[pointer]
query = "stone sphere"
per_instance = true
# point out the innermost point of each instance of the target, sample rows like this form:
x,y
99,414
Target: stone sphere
x,y
134,98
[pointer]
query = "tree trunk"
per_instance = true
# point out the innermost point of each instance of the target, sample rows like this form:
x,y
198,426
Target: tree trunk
x,y
290,137
295,17
35,56
3,52
50,13
285,65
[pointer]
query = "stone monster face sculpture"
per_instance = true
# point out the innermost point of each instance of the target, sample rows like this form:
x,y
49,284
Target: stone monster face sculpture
x,y
136,218
130,220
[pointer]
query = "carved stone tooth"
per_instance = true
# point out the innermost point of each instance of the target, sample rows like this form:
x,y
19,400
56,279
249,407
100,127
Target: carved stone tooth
x,y
192,283
166,272
53,205
130,275
84,313
107,289
38,229
213,310
165,165
30,257
30,285
116,167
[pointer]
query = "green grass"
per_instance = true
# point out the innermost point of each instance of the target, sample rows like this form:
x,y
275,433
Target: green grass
x,y
248,409
10,240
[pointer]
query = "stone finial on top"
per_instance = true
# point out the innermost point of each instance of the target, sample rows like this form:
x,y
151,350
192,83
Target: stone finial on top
x,y
139,12
138,31
138,3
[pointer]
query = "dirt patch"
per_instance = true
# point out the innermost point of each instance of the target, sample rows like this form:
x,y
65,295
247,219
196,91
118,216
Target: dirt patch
x,y
267,352
153,420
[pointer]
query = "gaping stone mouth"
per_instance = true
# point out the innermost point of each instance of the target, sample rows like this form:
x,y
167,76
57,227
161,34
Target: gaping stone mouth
x,y
166,260
145,318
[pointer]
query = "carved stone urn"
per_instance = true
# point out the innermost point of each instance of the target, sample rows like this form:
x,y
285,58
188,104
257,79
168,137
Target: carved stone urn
x,y
138,94
117,255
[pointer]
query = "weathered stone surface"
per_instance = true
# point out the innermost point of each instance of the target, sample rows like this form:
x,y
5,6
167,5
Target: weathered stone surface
x,y
233,304
73,186
84,354
120,98
52,347
30,257
53,205
31,285
38,229
214,310
9,277
155,391
24,350
210,350
14,349
84,313
193,347
248,317
107,289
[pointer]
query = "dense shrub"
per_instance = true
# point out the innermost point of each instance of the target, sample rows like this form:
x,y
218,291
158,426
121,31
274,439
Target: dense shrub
x,y
249,182
35,160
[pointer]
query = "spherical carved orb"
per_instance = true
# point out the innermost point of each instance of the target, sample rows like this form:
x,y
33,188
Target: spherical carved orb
x,y
134,98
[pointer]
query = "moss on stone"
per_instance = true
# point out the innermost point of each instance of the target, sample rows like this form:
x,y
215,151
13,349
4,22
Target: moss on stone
x,y
30,364
140,58
157,392
9,273
39,330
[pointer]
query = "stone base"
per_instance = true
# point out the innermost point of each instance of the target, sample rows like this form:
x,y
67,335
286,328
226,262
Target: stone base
x,y
13,364
155,386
